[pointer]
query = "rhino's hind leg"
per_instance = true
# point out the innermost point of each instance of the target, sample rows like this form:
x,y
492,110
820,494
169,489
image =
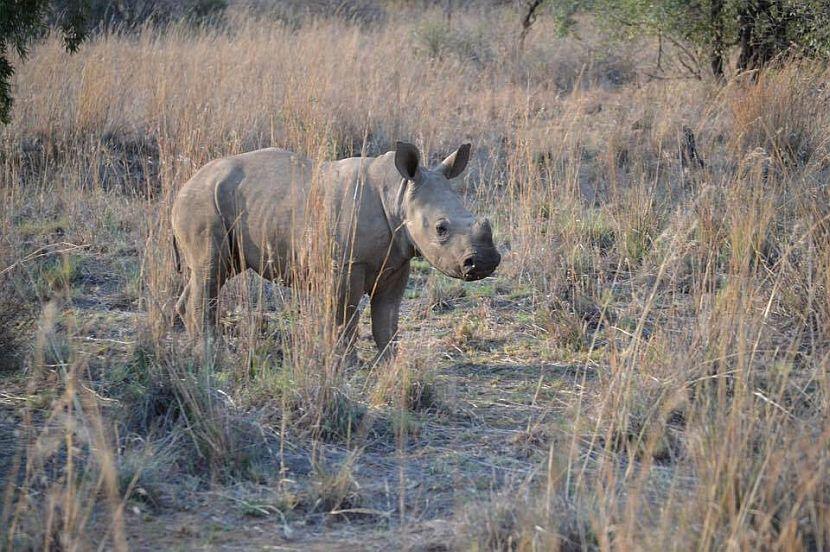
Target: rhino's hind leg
x,y
210,268
202,301
181,304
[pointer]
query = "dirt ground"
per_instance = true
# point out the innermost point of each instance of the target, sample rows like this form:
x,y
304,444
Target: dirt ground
x,y
481,433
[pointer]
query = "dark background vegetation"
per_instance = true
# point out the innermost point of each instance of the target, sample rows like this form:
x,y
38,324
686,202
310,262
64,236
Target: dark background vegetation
x,y
761,30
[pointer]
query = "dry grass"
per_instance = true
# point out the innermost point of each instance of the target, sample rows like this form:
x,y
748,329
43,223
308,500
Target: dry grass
x,y
649,369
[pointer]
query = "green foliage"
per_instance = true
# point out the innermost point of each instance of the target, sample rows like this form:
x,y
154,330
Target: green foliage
x,y
563,12
705,30
437,39
23,20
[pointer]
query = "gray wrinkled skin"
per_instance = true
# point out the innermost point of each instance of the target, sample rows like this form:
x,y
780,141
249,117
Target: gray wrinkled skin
x,y
246,211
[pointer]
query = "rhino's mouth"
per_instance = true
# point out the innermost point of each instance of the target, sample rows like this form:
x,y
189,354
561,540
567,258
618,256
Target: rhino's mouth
x,y
456,274
473,277
473,268
477,265
480,264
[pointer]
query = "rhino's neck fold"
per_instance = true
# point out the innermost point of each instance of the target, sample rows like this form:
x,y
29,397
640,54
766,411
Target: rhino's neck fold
x,y
392,199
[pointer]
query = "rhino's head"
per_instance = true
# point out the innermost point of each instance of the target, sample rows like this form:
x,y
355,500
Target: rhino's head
x,y
440,227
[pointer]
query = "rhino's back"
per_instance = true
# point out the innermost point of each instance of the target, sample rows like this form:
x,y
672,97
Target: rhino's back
x,y
262,199
283,197
260,196
266,170
255,171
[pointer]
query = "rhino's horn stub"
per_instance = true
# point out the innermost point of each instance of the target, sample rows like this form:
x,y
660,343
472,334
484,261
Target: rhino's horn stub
x,y
407,159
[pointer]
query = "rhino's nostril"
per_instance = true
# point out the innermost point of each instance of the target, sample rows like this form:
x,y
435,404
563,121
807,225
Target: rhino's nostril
x,y
469,264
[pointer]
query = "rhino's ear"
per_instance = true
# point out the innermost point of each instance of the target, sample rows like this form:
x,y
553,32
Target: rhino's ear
x,y
407,159
455,164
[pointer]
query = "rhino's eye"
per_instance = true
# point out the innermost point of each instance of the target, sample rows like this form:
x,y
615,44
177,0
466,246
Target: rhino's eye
x,y
442,229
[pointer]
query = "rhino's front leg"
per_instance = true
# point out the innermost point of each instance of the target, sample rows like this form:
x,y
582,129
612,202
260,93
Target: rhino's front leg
x,y
386,304
347,309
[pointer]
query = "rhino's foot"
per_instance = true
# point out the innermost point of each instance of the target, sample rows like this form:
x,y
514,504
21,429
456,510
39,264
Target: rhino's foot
x,y
387,354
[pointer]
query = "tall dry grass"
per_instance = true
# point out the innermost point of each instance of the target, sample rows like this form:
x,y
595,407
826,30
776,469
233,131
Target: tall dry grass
x,y
693,303
708,424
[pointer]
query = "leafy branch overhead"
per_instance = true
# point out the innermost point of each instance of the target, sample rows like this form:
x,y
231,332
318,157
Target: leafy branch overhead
x,y
705,31
21,21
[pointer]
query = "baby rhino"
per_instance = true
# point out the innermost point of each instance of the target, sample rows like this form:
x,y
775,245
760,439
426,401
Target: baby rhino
x,y
255,210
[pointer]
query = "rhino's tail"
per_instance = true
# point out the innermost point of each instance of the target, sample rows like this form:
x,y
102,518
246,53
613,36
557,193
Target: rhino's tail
x,y
176,255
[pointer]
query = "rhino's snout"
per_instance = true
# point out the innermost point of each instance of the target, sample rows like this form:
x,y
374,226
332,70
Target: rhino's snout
x,y
480,264
484,258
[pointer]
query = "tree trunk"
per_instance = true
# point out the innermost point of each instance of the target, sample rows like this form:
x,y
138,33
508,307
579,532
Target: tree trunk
x,y
716,52
527,20
762,32
746,22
